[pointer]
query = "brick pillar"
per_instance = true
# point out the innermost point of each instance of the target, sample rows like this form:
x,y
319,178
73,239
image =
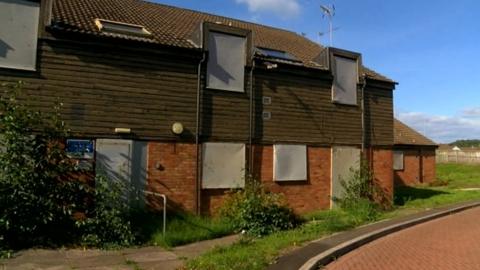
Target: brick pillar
x,y
381,162
172,171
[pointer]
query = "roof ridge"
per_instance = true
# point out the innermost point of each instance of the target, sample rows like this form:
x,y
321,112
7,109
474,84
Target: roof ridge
x,y
174,26
225,17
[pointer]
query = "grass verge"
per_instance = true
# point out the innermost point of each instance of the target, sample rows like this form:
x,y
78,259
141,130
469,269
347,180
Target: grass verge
x,y
181,229
257,253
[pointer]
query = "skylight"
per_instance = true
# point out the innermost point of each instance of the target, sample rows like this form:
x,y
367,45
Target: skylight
x,y
121,28
276,54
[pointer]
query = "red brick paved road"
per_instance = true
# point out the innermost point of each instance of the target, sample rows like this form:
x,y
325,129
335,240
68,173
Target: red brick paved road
x,y
451,242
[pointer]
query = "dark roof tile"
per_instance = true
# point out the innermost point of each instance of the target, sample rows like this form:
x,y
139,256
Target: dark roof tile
x,y
406,135
173,26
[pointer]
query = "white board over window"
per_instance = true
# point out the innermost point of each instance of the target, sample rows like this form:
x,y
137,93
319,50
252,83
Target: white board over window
x,y
226,62
345,73
18,34
344,160
398,160
223,165
289,162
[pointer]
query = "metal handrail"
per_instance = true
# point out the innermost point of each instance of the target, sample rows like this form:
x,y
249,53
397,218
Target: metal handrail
x,y
164,207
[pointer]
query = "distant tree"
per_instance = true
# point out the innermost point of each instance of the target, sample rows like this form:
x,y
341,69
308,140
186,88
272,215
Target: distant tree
x,y
466,143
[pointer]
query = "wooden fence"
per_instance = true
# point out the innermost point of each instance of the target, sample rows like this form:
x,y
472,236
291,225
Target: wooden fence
x,y
470,157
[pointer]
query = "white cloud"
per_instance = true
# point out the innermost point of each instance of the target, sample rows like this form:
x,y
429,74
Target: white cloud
x,y
283,8
471,112
444,129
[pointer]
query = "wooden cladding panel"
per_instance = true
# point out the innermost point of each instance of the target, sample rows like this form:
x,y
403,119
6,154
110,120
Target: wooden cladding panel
x,y
302,110
378,116
103,88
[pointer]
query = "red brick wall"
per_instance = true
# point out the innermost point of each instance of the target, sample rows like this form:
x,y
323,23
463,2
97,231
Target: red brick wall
x,y
410,175
212,200
419,167
302,196
381,161
172,171
429,165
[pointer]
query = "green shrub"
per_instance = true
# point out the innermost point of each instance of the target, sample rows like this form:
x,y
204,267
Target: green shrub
x,y
40,196
107,223
362,199
258,212
34,201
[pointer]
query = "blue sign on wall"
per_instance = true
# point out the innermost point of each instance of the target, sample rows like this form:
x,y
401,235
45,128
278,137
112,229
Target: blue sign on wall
x,y
80,148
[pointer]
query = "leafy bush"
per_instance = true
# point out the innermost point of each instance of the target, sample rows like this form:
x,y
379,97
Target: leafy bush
x,y
40,197
33,197
362,198
258,212
107,223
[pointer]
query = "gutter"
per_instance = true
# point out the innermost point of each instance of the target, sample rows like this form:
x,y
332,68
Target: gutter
x,y
362,108
251,120
198,183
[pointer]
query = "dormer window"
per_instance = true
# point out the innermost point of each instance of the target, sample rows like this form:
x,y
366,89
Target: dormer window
x,y
121,28
345,79
226,61
19,34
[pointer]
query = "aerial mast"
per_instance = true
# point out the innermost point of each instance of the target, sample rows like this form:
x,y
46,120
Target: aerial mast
x,y
329,12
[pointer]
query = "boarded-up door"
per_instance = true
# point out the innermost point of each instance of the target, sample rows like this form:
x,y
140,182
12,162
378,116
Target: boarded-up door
x,y
344,158
123,161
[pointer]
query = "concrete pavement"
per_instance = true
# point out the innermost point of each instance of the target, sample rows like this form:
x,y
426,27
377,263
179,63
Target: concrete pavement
x,y
145,258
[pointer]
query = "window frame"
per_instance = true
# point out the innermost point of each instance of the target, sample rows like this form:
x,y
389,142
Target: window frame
x,y
277,148
33,52
402,153
207,29
115,27
214,183
334,81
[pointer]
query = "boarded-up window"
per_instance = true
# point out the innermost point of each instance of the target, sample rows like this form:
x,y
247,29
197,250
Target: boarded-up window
x,y
18,34
123,161
223,165
226,62
289,162
345,73
344,160
398,160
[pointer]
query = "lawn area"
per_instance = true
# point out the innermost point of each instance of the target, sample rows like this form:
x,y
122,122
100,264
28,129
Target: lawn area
x,y
257,253
459,175
451,179
181,229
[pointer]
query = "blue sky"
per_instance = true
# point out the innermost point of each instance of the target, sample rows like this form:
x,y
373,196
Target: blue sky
x,y
429,47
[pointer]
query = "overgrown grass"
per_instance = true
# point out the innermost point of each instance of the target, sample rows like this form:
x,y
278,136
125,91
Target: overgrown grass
x,y
181,228
459,175
258,253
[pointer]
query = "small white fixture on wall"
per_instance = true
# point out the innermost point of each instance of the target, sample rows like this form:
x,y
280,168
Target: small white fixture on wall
x,y
177,128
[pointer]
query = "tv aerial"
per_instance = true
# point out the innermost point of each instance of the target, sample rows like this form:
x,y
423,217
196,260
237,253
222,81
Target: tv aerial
x,y
328,12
